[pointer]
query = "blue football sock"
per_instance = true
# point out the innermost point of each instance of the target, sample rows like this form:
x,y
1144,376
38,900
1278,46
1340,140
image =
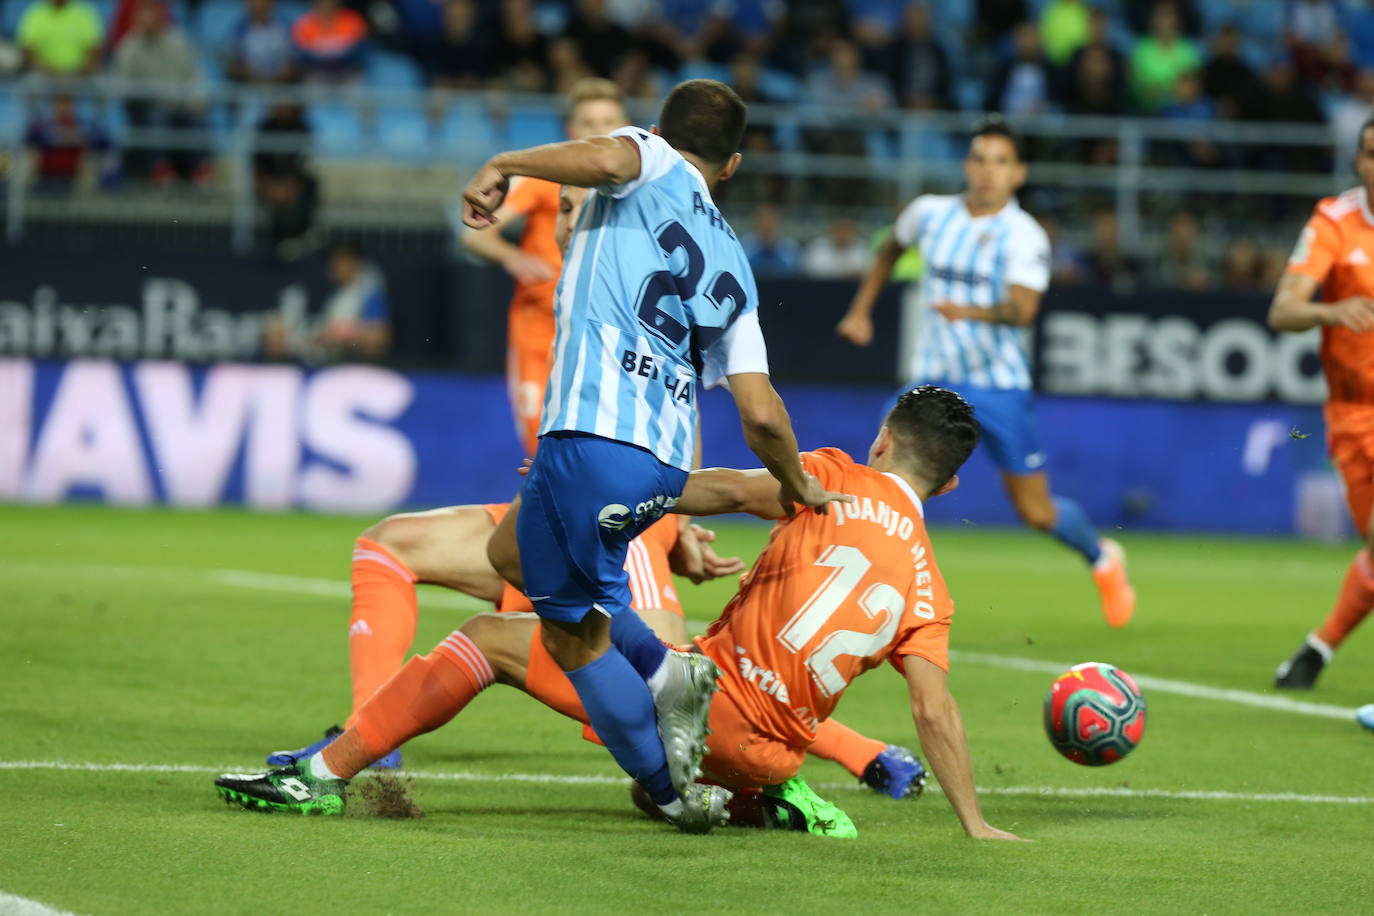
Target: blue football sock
x,y
619,707
1074,530
641,648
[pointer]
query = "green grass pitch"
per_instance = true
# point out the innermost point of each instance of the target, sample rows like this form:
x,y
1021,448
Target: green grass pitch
x,y
185,642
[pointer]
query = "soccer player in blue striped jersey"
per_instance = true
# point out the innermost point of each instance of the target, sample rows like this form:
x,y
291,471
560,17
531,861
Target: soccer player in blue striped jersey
x,y
987,263
655,300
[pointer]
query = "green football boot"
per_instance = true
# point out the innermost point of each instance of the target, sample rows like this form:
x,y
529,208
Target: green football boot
x,y
822,818
287,789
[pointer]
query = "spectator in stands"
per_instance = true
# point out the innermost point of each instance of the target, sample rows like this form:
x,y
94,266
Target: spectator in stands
x,y
1311,27
1095,90
920,72
156,51
331,40
260,48
1139,14
604,42
1242,267
1066,89
1359,28
1065,26
1068,266
521,50
845,85
1181,265
357,317
464,55
1350,113
1159,59
1289,101
62,140
1107,264
566,66
875,25
840,253
994,19
60,37
1190,104
768,249
1021,86
285,183
1231,82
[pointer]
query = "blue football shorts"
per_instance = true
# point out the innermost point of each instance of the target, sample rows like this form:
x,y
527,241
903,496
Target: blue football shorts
x,y
583,502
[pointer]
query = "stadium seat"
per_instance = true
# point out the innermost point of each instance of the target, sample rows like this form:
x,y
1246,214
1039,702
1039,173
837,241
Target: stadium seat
x,y
405,133
337,129
779,85
524,127
214,23
467,131
389,70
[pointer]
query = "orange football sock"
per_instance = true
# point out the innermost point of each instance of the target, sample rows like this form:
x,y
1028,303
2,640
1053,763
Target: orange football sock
x,y
1354,604
547,683
845,746
426,693
383,623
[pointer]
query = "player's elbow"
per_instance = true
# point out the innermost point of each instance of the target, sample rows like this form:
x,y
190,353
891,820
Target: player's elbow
x,y
614,164
764,417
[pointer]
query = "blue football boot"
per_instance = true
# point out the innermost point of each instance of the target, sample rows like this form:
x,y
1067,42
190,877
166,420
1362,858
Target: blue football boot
x,y
896,772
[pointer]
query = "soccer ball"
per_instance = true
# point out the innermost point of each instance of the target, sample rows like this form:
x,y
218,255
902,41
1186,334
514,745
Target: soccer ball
x,y
1094,714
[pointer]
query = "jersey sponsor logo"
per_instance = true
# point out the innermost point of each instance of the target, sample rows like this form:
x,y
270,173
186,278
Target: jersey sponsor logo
x,y
1357,258
966,277
769,683
651,367
1304,246
614,517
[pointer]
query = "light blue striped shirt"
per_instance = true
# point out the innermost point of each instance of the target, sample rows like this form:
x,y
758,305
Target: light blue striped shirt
x,y
973,262
656,299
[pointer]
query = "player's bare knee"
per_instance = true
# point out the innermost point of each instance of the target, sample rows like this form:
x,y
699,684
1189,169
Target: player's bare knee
x,y
495,637
397,533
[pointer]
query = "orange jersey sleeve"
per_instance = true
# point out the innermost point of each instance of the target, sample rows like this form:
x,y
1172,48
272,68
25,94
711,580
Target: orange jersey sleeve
x,y
531,312
831,597
1336,248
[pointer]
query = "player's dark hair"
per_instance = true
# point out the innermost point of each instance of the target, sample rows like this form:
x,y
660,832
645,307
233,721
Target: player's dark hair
x,y
705,118
994,125
935,431
346,249
1359,138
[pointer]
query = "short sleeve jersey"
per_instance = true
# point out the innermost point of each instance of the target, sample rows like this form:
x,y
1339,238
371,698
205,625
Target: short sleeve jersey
x,y
656,298
1336,248
830,597
531,308
972,261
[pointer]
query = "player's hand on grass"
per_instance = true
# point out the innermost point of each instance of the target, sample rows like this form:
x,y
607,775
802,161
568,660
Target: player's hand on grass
x,y
482,196
811,495
1355,313
526,268
857,329
694,558
986,831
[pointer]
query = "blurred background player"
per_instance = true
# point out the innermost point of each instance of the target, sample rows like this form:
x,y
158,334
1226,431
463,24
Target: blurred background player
x,y
595,108
1335,253
674,291
790,641
987,266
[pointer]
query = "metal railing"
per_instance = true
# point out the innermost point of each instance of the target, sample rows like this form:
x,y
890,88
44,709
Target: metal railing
x,y
414,147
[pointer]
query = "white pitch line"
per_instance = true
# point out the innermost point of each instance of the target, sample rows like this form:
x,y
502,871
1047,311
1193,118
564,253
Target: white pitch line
x,y
582,779
1165,685
13,905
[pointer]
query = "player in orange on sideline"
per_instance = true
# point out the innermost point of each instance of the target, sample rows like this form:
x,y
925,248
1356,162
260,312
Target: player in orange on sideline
x,y
595,108
1335,253
830,597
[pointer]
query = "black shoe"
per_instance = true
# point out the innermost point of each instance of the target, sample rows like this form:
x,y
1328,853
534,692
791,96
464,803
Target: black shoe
x,y
1300,672
288,789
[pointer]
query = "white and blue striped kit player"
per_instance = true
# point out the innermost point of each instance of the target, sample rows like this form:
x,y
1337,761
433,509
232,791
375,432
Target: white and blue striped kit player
x,y
656,297
972,262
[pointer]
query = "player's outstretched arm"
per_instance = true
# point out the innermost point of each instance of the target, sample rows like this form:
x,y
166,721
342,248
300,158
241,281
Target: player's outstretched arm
x,y
768,432
1294,310
590,163
1019,309
857,324
941,730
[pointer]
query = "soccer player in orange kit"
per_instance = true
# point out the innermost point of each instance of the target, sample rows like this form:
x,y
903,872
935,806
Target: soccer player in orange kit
x,y
595,108
1335,253
830,597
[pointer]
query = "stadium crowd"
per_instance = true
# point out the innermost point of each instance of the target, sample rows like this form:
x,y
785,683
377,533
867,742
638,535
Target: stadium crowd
x,y
1184,60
